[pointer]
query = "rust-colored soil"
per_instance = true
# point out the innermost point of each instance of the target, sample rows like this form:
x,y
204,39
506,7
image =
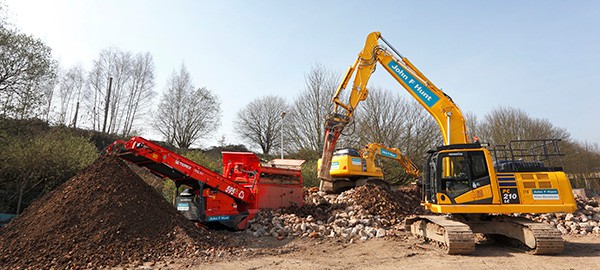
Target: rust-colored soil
x,y
105,216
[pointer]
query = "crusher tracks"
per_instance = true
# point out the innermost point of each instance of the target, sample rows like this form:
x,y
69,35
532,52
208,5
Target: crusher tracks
x,y
455,236
541,238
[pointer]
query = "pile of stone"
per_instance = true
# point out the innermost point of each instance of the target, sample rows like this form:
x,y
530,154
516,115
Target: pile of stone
x,y
361,213
371,211
585,220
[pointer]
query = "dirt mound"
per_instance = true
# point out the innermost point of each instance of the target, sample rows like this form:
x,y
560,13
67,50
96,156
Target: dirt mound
x,y
105,216
361,213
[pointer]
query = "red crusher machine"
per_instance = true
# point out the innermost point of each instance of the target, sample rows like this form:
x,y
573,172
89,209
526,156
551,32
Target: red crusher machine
x,y
231,199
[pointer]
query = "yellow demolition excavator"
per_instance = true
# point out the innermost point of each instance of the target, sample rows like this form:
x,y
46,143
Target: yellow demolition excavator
x,y
351,168
476,189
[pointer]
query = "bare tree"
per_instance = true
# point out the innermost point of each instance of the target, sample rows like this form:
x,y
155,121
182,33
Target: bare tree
x,y
380,118
307,117
387,118
186,114
473,125
582,162
48,89
504,124
260,122
69,93
421,133
98,84
140,90
121,78
132,89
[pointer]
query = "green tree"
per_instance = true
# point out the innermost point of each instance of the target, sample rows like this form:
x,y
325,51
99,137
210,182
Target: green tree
x,y
26,65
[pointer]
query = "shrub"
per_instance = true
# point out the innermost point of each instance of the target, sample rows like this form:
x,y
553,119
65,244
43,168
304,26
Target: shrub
x,y
33,166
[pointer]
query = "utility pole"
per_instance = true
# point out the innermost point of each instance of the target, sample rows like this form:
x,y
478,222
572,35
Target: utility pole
x,y
106,105
282,115
74,123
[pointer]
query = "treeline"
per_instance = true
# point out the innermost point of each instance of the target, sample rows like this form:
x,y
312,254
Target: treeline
x,y
55,120
37,157
388,118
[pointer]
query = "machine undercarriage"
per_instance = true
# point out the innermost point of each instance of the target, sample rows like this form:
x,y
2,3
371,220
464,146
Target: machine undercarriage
x,y
457,232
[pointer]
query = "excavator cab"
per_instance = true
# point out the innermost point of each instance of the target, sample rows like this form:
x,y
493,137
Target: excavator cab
x,y
455,171
468,178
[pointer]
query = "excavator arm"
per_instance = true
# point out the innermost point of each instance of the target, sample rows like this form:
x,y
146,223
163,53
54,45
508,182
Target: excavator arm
x,y
376,149
446,113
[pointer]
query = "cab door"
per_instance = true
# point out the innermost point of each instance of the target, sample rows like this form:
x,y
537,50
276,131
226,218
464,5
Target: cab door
x,y
463,178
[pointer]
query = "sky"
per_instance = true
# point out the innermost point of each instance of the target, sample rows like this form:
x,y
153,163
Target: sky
x,y
539,56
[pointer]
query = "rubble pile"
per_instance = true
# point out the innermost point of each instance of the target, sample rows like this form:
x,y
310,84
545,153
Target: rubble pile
x,y
361,213
105,216
585,220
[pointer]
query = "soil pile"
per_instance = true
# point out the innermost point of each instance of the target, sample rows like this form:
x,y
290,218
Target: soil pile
x,y
105,216
361,213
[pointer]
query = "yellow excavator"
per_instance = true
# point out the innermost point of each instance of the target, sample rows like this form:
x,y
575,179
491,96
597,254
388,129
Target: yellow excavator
x,y
477,193
351,168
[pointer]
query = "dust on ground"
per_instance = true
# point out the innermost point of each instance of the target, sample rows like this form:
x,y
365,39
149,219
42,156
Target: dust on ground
x,y
406,252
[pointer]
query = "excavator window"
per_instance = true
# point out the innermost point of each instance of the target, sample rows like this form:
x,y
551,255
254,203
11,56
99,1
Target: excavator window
x,y
455,175
462,172
481,175
347,152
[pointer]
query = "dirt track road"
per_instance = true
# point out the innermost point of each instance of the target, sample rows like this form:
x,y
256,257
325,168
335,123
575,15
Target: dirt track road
x,y
408,253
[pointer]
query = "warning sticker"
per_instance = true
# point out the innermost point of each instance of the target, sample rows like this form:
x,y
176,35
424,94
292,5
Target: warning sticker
x,y
545,194
356,161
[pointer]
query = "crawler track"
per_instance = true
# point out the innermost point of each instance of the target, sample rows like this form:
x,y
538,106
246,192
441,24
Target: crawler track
x,y
455,236
543,239
458,238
